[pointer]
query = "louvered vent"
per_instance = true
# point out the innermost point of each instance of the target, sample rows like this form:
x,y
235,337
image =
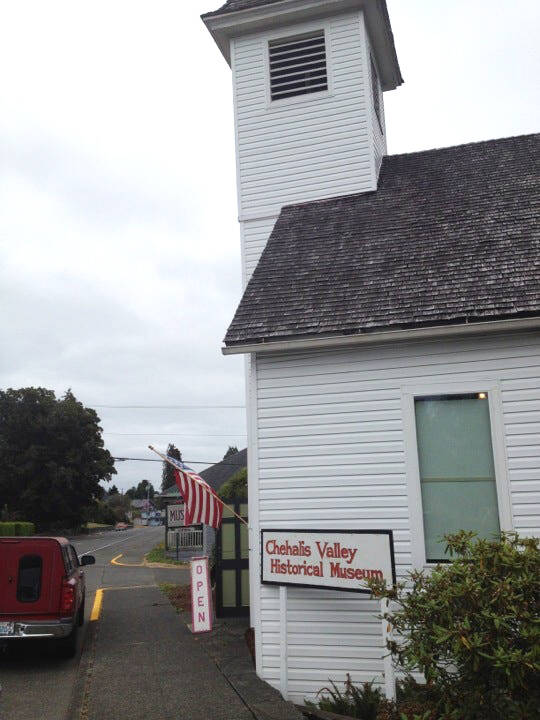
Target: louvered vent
x,y
298,66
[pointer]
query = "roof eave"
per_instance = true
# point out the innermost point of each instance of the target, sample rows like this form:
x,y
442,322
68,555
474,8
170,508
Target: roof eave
x,y
233,24
383,337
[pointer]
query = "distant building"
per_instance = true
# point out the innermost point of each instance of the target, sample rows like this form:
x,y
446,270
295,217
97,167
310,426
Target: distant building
x,y
199,539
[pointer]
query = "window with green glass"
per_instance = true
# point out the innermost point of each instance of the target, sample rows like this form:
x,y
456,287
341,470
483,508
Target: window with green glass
x,y
229,588
228,543
457,474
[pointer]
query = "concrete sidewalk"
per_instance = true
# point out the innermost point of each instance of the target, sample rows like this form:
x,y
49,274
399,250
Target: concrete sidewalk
x,y
144,664
141,662
226,645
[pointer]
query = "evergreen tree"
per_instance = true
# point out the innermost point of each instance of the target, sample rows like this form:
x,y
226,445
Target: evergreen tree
x,y
143,490
232,450
167,474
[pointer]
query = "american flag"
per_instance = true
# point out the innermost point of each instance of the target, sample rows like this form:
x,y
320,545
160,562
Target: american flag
x,y
201,503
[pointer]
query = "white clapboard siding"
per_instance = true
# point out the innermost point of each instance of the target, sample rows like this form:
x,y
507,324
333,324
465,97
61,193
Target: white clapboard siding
x,y
330,448
378,127
253,236
307,147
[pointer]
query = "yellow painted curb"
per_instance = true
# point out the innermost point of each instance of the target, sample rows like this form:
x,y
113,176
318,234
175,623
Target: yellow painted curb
x,y
96,608
147,564
98,600
114,561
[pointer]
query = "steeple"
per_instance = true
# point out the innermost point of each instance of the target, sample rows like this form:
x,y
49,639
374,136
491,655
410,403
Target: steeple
x,y
308,82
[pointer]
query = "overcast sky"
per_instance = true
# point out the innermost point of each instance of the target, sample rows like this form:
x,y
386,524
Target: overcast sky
x,y
119,246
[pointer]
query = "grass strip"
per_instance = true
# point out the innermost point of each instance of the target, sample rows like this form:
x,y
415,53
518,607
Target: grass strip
x,y
157,555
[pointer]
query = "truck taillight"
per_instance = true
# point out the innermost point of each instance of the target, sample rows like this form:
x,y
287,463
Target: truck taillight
x,y
67,598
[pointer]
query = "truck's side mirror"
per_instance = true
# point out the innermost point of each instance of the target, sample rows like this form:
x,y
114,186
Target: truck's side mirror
x,y
88,560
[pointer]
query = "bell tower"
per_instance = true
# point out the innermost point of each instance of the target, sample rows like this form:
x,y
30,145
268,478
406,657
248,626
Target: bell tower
x,y
308,83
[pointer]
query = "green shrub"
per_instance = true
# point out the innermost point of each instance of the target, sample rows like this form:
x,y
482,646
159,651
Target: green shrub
x,y
99,512
24,528
235,487
414,701
7,528
358,702
471,627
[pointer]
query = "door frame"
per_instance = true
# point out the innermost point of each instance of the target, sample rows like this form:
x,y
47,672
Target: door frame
x,y
238,564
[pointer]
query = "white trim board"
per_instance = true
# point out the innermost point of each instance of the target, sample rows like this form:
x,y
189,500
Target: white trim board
x,y
387,336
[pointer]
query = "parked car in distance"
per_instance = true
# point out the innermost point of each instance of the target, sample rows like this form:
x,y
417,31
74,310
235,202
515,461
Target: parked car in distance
x,y
121,526
42,591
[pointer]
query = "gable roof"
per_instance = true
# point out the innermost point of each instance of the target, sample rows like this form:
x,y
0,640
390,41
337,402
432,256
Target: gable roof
x,y
217,474
450,236
235,5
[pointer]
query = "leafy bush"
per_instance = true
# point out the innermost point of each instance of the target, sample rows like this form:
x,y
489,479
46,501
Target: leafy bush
x,y
99,512
471,627
7,528
235,487
414,701
24,528
358,702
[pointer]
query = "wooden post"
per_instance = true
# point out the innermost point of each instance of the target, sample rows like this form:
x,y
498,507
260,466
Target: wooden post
x,y
389,675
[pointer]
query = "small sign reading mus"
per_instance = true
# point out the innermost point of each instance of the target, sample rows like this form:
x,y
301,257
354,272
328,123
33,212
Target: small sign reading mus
x,y
175,516
333,559
201,601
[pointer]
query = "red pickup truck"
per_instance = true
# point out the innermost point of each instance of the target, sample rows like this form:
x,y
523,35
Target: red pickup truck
x,y
42,590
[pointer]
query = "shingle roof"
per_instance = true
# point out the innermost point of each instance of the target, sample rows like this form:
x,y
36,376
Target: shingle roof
x,y
234,5
217,474
450,236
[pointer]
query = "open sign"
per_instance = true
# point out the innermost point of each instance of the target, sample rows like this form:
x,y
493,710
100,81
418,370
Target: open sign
x,y
201,601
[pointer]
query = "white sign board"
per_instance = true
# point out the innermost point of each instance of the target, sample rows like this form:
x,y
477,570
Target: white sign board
x,y
175,516
201,599
334,559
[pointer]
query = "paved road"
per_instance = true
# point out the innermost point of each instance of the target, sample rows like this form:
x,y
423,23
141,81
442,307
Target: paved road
x,y
38,686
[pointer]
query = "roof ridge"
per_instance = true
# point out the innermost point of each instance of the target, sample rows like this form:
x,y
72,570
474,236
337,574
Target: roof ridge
x,y
463,145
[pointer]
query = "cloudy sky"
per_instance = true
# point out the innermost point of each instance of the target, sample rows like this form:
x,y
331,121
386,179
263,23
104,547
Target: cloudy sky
x,y
119,249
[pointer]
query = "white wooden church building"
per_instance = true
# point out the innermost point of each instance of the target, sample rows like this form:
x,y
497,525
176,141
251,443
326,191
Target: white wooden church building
x,y
390,320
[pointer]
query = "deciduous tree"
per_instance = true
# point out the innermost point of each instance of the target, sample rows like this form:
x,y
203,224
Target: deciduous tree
x,y
51,457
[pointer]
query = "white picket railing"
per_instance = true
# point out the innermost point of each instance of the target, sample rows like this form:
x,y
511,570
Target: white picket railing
x,y
188,538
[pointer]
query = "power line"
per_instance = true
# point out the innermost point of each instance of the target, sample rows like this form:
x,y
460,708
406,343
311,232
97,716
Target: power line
x,y
193,462
232,435
169,407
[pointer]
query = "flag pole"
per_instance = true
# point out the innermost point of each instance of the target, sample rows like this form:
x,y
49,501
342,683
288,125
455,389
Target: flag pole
x,y
166,459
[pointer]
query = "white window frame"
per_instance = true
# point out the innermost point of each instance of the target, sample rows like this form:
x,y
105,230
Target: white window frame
x,y
282,34
414,491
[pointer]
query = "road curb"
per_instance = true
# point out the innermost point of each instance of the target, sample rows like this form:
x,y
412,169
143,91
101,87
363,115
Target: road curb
x,y
76,708
145,563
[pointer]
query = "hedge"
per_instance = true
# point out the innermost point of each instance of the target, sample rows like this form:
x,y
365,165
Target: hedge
x,y
17,528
